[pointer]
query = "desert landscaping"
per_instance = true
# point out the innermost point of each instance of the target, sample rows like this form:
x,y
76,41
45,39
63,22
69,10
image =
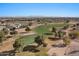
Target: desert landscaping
x,y
39,36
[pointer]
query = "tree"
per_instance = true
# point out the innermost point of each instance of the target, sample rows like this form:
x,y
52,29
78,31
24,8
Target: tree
x,y
59,34
38,20
73,35
2,22
30,24
13,31
17,45
67,21
39,40
27,29
45,23
66,41
5,30
1,36
55,34
65,27
77,24
12,28
53,29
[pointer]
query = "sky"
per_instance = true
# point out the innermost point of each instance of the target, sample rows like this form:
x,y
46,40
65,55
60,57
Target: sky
x,y
40,9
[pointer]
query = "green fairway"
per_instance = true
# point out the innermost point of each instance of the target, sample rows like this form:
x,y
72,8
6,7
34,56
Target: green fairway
x,y
41,29
55,25
25,40
45,28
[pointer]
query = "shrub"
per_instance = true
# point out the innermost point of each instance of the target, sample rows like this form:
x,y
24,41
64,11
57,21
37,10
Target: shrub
x,y
5,31
2,37
30,48
41,54
74,35
13,32
66,41
17,45
27,29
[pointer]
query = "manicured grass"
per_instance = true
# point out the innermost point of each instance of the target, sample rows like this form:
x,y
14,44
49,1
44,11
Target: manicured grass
x,y
41,29
25,40
45,28
55,25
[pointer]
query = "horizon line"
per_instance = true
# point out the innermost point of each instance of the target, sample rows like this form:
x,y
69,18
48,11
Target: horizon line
x,y
39,16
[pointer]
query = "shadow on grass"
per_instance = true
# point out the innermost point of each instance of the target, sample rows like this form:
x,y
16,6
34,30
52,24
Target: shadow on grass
x,y
59,45
31,48
54,38
8,53
48,33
